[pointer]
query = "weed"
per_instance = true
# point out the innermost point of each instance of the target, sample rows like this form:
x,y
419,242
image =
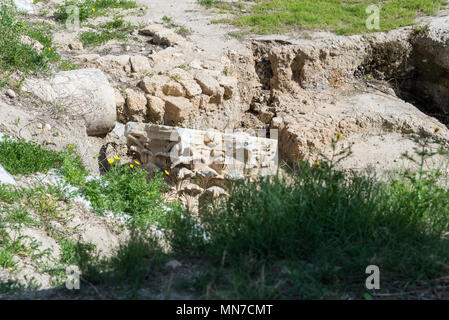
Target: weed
x,y
126,190
167,20
237,35
21,157
175,77
183,31
208,3
66,65
17,53
116,29
75,253
134,262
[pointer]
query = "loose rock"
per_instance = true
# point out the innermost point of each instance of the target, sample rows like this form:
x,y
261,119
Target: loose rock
x,y
5,177
136,105
85,93
140,64
208,84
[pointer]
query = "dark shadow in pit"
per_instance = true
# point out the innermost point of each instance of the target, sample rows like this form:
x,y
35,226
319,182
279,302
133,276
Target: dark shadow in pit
x,y
414,71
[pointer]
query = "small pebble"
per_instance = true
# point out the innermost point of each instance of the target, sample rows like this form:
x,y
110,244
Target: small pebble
x,y
10,93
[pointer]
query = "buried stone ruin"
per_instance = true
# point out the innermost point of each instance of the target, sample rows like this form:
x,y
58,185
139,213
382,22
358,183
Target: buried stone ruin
x,y
204,154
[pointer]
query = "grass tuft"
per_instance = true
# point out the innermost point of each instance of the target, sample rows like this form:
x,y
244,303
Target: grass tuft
x,y
115,29
17,54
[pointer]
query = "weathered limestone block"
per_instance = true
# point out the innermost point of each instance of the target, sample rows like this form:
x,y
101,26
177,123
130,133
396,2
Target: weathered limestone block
x,y
173,88
86,94
140,64
209,85
229,84
177,109
120,104
156,109
136,105
202,154
185,78
162,36
110,62
153,85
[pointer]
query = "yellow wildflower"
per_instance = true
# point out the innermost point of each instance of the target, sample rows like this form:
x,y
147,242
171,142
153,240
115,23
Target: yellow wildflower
x,y
93,9
70,146
339,136
437,129
137,162
317,164
49,49
117,158
111,161
166,172
131,166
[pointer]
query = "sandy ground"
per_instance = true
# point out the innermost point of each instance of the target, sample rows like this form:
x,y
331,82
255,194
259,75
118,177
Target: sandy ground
x,y
212,38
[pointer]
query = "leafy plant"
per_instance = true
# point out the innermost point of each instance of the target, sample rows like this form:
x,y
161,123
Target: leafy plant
x,y
23,157
116,29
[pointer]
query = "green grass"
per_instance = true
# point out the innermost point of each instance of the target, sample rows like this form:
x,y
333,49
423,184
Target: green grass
x,y
115,29
122,190
66,65
15,55
128,190
342,17
10,248
134,263
74,253
183,31
15,214
313,236
24,157
91,8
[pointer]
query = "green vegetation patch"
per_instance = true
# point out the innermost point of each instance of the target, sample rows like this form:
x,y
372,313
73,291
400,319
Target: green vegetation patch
x,y
17,50
23,157
342,17
90,8
130,191
116,29
124,189
16,204
313,236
